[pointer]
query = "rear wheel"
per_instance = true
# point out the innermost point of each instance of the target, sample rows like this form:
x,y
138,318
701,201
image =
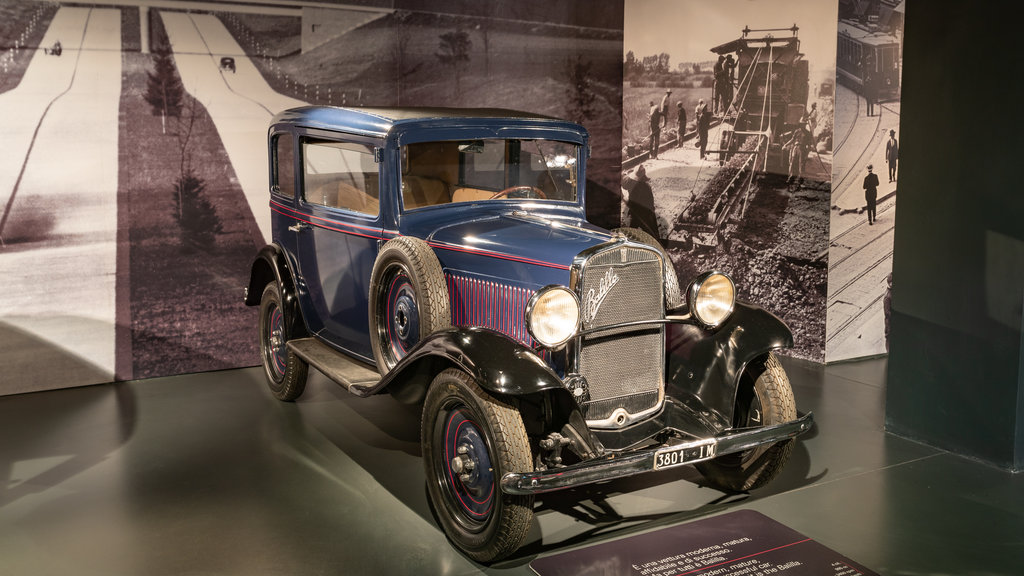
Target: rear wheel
x,y
765,398
286,373
470,439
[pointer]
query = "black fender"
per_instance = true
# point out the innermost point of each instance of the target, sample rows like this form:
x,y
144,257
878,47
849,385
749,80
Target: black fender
x,y
498,363
271,265
709,364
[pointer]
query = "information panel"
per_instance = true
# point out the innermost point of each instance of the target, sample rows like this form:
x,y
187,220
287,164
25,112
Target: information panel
x,y
742,543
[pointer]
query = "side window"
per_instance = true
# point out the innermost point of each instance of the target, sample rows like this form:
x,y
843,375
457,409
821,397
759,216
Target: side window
x,y
340,175
284,165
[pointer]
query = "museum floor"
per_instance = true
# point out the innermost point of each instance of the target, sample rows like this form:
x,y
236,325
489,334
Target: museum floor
x,y
208,474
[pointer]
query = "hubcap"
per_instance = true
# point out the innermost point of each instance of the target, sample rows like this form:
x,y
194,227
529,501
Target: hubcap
x,y
276,354
401,317
466,465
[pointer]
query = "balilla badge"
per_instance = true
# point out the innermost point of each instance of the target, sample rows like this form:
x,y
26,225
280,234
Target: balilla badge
x,y
594,299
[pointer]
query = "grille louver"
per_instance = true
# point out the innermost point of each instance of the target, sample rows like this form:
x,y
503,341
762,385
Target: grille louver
x,y
624,368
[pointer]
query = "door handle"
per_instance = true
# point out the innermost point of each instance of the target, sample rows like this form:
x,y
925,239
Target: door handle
x,y
298,227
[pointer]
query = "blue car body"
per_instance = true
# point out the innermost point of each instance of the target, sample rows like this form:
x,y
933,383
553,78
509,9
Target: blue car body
x,y
493,201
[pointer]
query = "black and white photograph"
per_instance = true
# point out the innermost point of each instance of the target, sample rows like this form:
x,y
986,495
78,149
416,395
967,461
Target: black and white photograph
x,y
509,288
727,145
133,184
869,66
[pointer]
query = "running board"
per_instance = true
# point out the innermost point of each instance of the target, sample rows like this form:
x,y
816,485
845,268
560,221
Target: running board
x,y
340,368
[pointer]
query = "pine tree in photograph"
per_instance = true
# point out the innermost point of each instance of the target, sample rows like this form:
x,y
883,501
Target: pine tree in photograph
x,y
164,91
196,215
453,51
580,92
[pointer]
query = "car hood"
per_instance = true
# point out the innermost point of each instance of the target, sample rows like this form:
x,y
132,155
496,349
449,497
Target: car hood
x,y
518,236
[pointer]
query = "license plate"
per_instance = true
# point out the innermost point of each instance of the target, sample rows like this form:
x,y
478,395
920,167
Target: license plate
x,y
670,457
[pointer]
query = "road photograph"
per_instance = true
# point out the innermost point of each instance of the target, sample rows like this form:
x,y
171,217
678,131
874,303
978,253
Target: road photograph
x,y
134,180
58,230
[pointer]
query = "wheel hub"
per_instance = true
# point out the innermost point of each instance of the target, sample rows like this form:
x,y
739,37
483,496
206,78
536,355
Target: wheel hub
x,y
402,320
466,467
463,464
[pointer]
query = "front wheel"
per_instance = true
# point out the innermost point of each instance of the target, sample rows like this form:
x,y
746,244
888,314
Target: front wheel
x,y
470,439
286,373
765,398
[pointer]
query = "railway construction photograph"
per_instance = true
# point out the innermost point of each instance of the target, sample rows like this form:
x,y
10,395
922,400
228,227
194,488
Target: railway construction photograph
x,y
133,184
741,183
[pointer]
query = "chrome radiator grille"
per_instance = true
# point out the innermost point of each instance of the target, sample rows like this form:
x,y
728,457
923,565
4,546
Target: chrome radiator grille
x,y
623,367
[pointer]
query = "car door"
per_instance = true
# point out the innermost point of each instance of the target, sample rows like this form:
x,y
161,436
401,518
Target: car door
x,y
337,238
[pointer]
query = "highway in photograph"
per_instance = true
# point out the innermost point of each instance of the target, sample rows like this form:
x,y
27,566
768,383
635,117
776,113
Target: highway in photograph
x,y
59,246
58,193
239,100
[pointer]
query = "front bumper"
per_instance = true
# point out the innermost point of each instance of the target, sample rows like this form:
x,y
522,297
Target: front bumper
x,y
631,463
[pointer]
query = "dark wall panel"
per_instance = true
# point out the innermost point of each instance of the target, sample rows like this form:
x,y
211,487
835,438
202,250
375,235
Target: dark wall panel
x,y
955,357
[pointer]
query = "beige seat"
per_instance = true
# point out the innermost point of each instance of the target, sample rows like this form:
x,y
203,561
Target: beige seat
x,y
471,195
418,191
353,198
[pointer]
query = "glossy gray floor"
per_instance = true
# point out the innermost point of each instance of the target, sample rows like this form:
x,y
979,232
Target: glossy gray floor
x,y
207,474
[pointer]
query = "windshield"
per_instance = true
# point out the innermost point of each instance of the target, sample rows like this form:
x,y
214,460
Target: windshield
x,y
488,169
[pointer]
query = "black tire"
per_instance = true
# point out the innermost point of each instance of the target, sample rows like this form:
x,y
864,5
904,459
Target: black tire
x,y
408,299
765,398
673,294
286,373
463,423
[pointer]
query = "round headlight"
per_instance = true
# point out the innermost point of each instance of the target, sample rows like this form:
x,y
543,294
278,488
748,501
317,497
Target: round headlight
x,y
712,298
552,316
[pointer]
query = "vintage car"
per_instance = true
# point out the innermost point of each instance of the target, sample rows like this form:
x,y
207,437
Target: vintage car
x,y
443,256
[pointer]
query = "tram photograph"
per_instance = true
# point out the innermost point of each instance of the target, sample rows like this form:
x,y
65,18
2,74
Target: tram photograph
x,y
866,164
868,59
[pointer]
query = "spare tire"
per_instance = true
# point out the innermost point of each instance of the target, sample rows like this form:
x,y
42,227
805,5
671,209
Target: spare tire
x,y
673,294
408,299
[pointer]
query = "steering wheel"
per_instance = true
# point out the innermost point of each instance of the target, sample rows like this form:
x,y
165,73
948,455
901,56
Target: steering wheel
x,y
531,191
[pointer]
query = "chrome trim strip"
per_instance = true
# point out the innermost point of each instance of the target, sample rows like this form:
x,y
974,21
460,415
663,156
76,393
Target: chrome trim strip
x,y
620,417
631,463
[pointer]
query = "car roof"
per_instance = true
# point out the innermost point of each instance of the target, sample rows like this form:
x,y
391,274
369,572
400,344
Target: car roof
x,y
382,121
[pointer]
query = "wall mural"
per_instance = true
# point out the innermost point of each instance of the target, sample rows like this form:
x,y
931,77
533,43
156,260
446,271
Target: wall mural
x,y
727,145
132,186
133,179
867,119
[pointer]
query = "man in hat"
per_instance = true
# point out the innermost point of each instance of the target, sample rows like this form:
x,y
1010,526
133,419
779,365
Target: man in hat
x,y
717,97
728,72
892,154
681,115
799,144
655,118
640,202
871,193
702,116
664,105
